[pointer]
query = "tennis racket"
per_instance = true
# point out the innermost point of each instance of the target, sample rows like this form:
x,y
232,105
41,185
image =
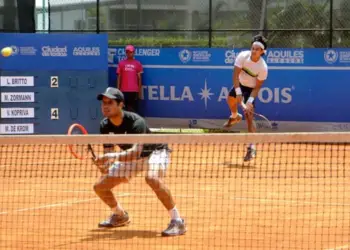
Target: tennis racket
x,y
80,151
260,121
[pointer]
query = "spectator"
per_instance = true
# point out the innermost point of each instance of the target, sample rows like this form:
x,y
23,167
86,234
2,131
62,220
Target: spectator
x,y
129,79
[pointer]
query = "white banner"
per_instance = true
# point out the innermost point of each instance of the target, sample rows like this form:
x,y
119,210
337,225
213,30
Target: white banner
x,y
17,97
17,112
17,81
27,128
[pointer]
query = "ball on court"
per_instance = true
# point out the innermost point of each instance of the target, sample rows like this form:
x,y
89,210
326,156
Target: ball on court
x,y
6,52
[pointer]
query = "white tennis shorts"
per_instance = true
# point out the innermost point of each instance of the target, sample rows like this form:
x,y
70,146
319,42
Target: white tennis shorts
x,y
154,166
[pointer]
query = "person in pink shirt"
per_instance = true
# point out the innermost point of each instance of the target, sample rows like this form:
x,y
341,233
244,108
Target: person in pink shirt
x,y
129,79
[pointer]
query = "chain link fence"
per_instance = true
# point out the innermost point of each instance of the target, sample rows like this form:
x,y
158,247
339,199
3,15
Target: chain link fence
x,y
203,23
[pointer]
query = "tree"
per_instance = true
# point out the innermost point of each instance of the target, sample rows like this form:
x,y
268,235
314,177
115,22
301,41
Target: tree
x,y
293,21
342,21
215,14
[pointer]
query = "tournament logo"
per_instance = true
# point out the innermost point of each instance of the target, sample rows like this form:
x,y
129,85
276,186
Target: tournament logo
x,y
331,56
277,56
54,51
185,55
230,56
86,51
112,55
23,51
15,50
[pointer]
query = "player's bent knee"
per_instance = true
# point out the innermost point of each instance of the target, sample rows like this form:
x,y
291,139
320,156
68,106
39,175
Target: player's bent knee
x,y
153,182
98,188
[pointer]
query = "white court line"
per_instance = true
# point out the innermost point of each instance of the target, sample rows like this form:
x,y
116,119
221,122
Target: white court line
x,y
294,201
340,247
215,197
258,199
65,191
54,205
184,196
58,204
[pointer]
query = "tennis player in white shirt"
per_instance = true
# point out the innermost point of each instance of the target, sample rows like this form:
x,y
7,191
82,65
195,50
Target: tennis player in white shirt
x,y
250,72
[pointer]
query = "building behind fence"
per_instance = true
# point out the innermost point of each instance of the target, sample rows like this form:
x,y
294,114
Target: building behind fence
x,y
204,23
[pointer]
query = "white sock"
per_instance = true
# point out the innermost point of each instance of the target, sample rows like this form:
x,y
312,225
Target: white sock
x,y
252,146
174,214
234,115
118,209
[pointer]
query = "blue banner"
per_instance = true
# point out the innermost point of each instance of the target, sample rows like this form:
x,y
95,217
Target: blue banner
x,y
226,57
55,51
51,81
304,85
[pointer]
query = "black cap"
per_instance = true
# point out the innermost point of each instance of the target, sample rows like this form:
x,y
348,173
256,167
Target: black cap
x,y
111,93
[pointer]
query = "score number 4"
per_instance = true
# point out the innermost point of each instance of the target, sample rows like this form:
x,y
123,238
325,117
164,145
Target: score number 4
x,y
54,114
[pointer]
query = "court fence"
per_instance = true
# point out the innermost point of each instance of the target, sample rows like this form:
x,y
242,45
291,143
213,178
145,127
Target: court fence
x,y
203,23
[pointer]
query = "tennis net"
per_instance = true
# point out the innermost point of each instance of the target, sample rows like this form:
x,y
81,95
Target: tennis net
x,y
294,195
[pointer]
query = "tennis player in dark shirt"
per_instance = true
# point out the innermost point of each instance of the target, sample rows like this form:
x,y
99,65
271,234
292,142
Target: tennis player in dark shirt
x,y
131,161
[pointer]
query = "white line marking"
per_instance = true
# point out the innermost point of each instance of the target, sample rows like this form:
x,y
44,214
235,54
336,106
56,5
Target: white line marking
x,y
182,196
257,199
340,247
45,206
231,67
62,204
55,205
65,191
294,201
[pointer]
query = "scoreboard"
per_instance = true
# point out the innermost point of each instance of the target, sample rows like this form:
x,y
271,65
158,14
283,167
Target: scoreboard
x,y
12,104
52,81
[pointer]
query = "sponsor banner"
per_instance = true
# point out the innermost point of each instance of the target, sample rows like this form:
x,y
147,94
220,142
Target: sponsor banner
x,y
202,94
55,51
17,113
17,97
25,128
86,51
24,50
17,81
197,86
226,57
337,56
117,54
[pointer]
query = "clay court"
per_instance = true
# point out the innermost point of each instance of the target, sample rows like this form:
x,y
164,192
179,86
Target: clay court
x,y
293,196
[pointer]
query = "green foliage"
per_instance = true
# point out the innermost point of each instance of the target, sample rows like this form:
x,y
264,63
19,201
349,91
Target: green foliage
x,y
302,24
177,41
292,24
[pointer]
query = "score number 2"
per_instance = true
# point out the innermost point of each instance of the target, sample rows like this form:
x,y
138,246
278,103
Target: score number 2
x,y
54,82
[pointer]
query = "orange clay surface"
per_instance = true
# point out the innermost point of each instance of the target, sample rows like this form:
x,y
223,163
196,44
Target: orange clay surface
x,y
290,197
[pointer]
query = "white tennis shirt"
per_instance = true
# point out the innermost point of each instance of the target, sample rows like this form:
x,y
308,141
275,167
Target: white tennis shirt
x,y
250,70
